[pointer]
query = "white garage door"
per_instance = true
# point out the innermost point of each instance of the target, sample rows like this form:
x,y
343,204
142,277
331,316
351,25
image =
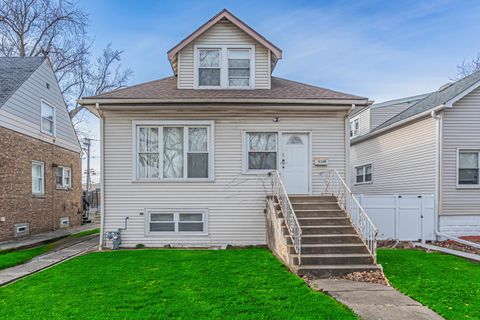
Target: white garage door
x,y
401,217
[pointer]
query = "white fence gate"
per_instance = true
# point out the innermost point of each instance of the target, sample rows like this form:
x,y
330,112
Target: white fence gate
x,y
401,217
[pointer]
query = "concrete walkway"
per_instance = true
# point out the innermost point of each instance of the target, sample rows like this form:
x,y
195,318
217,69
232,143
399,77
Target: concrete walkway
x,y
46,236
466,255
47,260
375,301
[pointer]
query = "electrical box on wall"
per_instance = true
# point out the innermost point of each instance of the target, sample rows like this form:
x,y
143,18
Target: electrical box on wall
x,y
320,161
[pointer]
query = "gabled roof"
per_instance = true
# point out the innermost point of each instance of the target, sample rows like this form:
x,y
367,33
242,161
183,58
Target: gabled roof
x,y
224,14
166,89
443,96
14,71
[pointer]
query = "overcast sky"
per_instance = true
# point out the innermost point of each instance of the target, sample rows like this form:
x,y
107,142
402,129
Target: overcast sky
x,y
377,49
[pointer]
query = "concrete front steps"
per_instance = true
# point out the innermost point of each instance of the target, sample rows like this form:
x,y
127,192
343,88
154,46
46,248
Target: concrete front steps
x,y
330,245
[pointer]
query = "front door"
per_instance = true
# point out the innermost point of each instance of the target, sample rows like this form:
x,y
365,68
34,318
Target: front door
x,y
294,162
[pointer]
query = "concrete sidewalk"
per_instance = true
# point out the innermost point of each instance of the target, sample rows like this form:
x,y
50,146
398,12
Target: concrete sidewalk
x,y
375,301
46,236
47,260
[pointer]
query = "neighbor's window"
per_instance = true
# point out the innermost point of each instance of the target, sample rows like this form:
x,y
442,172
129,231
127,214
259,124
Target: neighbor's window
x,y
48,118
261,150
354,127
173,152
238,67
363,173
209,67
64,177
38,174
178,221
468,167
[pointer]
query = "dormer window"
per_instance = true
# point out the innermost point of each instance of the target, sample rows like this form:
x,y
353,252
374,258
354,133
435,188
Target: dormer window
x,y
224,67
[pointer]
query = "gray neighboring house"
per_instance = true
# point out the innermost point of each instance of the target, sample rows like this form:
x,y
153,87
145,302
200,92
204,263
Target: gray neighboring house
x,y
415,162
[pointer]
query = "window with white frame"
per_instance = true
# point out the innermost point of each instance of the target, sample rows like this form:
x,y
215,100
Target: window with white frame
x,y
363,174
173,152
176,221
38,178
48,118
64,177
261,151
354,127
224,67
468,167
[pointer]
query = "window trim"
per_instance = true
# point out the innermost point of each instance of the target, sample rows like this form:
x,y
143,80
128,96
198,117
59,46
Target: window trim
x,y
42,166
210,124
350,132
176,212
457,173
54,133
224,66
63,186
245,151
364,165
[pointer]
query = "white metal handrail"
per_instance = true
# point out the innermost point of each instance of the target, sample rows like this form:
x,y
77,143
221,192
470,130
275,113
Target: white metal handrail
x,y
334,185
278,189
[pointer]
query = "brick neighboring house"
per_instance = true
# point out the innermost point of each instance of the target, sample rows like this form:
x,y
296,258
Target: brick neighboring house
x,y
40,164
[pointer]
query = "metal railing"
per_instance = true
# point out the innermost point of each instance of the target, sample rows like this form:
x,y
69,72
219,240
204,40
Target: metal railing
x,y
334,185
278,189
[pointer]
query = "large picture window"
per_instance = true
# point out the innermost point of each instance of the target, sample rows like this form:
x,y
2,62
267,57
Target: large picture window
x,y
176,221
261,151
173,152
468,167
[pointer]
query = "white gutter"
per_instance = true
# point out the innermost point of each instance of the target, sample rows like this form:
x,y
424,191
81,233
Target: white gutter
x,y
398,123
438,161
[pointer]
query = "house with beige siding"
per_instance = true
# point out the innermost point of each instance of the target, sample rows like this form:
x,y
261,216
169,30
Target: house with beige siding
x,y
40,175
190,160
417,172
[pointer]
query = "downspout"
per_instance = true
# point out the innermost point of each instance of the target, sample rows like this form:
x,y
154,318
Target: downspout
x,y
347,145
102,177
438,162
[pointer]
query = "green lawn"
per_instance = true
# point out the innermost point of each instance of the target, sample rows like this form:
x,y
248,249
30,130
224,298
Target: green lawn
x,y
12,258
446,284
168,284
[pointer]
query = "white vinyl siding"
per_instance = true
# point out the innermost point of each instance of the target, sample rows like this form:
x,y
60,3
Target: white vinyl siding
x,y
235,201
460,132
224,33
404,160
38,178
382,114
22,111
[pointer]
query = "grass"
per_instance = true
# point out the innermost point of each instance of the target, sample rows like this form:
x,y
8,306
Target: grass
x,y
11,258
168,284
447,284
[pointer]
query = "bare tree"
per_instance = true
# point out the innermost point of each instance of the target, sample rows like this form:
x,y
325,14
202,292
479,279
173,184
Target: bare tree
x,y
468,67
58,29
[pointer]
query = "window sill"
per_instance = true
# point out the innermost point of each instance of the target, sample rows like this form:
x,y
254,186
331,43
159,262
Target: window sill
x,y
259,172
39,196
175,234
363,183
467,187
63,188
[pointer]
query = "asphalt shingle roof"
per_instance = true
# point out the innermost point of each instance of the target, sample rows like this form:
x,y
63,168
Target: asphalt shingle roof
x,y
14,71
434,99
280,89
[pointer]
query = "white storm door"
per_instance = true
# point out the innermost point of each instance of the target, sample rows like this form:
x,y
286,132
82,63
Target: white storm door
x,y
294,162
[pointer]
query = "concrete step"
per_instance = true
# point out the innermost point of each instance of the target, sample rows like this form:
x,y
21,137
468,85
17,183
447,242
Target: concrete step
x,y
328,239
358,248
326,271
311,199
334,229
312,206
323,221
319,213
334,259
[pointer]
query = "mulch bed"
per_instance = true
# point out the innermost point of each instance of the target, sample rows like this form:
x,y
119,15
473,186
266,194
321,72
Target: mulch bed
x,y
449,244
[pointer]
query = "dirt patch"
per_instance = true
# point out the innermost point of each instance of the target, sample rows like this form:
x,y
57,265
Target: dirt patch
x,y
366,276
395,244
450,244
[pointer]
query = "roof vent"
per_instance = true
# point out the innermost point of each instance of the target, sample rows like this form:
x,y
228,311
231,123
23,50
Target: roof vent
x,y
445,86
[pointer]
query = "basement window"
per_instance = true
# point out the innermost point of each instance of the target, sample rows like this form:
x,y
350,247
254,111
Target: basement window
x,y
363,174
176,221
468,167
